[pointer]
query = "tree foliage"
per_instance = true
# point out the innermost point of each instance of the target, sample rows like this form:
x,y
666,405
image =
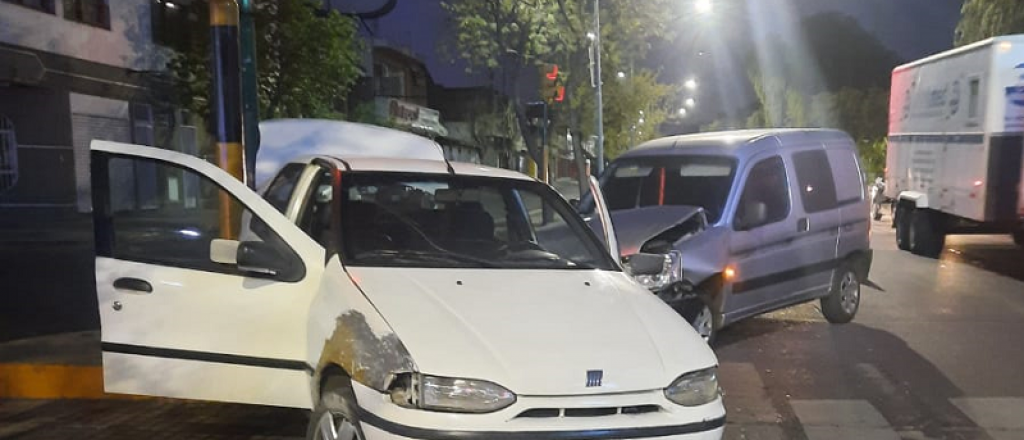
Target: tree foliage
x,y
510,38
837,77
307,61
981,19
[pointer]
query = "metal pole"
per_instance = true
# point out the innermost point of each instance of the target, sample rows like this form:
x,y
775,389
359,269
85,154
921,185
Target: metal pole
x,y
599,148
544,145
226,100
250,94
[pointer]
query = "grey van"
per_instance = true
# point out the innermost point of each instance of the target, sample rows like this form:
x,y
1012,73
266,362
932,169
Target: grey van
x,y
748,221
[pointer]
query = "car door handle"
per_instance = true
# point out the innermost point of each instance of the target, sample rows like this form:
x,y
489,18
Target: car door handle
x,y
133,284
803,225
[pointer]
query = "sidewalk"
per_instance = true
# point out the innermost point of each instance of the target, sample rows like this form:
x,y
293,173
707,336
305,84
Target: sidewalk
x,y
62,366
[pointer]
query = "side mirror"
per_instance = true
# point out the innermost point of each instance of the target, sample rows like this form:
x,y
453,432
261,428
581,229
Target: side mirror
x,y
255,257
646,264
752,214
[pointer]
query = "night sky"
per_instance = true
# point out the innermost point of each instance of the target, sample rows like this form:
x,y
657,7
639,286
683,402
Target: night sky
x,y
912,28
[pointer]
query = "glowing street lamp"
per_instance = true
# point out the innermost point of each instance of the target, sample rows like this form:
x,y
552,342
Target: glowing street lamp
x,y
703,6
690,102
690,84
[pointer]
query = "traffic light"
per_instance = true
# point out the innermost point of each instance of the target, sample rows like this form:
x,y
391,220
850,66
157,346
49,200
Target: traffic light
x,y
551,88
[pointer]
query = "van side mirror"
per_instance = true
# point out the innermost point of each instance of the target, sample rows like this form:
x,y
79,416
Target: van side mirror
x,y
752,214
646,264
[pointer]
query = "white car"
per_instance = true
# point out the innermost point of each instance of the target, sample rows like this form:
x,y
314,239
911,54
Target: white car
x,y
398,296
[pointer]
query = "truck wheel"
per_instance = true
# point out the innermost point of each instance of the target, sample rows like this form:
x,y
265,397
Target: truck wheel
x,y
926,235
902,227
843,300
335,416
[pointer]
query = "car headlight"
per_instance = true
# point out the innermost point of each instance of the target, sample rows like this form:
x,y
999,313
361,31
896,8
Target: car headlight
x,y
694,389
447,394
671,273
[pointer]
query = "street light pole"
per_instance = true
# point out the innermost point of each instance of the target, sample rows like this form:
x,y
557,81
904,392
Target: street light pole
x,y
599,148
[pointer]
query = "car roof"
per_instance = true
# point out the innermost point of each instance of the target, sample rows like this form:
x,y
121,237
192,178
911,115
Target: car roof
x,y
361,147
738,143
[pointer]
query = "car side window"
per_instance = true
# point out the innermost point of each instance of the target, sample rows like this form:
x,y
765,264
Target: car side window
x,y
159,213
765,198
280,190
817,185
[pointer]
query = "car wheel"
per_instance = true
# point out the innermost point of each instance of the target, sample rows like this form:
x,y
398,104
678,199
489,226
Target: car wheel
x,y
926,237
843,300
705,323
334,417
902,227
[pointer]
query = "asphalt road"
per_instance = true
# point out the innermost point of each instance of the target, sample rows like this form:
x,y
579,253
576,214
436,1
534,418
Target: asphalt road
x,y
935,354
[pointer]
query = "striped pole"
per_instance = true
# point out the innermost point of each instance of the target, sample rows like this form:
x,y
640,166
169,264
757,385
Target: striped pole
x,y
227,105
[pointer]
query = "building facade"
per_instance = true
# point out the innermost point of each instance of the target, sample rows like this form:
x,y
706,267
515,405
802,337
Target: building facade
x,y
72,71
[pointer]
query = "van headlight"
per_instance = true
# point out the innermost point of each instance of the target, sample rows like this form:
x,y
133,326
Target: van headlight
x,y
447,394
694,389
671,273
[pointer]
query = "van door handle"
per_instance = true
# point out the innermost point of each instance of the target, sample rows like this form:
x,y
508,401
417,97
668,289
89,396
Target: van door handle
x,y
803,225
133,284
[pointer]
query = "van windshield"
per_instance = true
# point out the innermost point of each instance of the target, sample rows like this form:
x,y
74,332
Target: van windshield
x,y
420,220
702,181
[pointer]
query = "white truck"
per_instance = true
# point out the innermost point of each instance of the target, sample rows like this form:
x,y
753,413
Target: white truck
x,y
956,135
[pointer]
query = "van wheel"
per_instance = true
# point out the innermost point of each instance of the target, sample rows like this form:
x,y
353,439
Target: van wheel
x,y
902,223
843,300
926,236
334,417
706,321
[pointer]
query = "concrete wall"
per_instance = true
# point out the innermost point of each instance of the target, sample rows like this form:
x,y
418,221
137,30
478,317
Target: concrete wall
x,y
128,43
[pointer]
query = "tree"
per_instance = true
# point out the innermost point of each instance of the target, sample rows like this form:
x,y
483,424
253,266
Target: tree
x,y
981,19
307,59
838,77
509,38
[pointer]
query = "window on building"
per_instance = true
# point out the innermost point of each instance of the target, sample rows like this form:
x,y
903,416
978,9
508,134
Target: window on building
x,y
39,5
8,155
389,80
171,21
142,124
90,12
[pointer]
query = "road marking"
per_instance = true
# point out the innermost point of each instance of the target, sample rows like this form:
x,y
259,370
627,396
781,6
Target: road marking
x,y
842,420
1001,417
746,398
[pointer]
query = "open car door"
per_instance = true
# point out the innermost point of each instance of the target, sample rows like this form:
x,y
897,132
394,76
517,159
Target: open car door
x,y
204,288
605,218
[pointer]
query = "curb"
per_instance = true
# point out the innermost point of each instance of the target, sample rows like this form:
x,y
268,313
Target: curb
x,y
52,382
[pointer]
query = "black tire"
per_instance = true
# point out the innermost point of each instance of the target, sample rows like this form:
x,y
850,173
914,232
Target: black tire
x,y
926,236
700,311
843,300
902,223
336,409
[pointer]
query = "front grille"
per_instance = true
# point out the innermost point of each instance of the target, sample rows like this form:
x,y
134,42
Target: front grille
x,y
540,413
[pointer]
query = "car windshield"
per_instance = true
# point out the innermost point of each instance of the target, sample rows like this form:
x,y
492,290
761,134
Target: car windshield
x,y
702,181
416,220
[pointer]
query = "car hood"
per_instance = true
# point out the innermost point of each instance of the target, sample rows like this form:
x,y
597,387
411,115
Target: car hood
x,y
535,332
633,227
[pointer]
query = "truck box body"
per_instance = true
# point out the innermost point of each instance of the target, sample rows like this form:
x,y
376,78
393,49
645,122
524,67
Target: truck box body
x,y
956,131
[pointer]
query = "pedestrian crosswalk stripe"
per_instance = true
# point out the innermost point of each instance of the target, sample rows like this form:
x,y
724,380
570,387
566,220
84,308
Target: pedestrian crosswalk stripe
x,y
1000,417
842,420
